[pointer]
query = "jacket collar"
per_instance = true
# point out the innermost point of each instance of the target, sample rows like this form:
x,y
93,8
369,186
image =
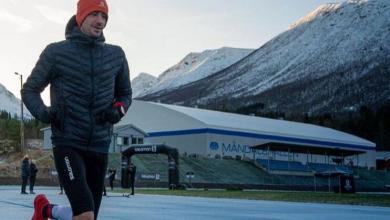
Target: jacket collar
x,y
73,33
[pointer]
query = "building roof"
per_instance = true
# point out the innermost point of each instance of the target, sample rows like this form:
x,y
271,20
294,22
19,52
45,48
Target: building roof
x,y
383,155
45,128
161,120
125,127
307,149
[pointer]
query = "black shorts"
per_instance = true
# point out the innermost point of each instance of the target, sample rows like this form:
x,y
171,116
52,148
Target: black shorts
x,y
82,175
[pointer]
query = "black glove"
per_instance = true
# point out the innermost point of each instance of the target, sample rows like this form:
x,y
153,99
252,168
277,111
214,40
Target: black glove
x,y
49,115
114,114
56,116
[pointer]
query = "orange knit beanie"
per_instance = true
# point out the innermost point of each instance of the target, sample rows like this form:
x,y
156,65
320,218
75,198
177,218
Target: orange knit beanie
x,y
86,7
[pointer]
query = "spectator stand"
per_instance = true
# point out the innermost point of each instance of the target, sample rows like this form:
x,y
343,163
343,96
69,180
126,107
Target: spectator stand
x,y
317,170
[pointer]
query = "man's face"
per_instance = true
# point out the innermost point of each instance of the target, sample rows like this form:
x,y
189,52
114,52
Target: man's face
x,y
94,24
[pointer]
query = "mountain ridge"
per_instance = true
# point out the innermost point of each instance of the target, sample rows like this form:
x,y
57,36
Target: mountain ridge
x,y
192,67
10,103
336,43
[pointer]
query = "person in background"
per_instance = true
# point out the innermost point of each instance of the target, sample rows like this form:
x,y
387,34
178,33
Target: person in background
x,y
33,175
111,173
89,92
132,172
25,173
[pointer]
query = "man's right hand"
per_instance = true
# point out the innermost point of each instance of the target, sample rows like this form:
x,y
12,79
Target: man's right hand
x,y
112,115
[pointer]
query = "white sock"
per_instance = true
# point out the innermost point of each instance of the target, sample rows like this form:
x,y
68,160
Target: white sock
x,y
62,212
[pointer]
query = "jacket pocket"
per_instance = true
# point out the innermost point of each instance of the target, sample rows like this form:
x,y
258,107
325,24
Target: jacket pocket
x,y
58,116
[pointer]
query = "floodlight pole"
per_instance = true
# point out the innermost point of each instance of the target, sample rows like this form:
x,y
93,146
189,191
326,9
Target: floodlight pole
x,y
22,147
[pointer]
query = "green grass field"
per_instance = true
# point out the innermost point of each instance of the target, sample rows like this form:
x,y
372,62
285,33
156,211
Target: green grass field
x,y
310,197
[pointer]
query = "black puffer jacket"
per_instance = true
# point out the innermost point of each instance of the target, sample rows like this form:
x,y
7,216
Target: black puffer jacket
x,y
33,169
25,168
86,77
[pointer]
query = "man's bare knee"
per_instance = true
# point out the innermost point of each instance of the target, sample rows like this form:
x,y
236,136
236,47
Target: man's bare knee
x,y
84,216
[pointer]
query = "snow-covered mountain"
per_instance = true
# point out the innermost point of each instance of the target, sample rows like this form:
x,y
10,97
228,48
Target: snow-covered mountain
x,y
193,67
335,58
11,104
142,83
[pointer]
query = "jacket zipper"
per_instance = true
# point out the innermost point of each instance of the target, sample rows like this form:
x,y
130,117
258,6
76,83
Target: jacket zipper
x,y
91,118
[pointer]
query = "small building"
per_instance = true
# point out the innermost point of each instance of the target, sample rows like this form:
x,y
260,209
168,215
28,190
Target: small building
x,y
126,135
122,137
47,145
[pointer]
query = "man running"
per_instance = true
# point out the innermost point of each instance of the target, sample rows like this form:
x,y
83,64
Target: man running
x,y
90,91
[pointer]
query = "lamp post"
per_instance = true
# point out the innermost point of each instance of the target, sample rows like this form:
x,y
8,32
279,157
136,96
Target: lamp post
x,y
21,117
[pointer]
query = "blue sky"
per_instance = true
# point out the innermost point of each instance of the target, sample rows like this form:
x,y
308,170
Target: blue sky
x,y
155,34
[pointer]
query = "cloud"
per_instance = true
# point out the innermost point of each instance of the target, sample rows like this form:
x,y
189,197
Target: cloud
x,y
55,15
21,24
